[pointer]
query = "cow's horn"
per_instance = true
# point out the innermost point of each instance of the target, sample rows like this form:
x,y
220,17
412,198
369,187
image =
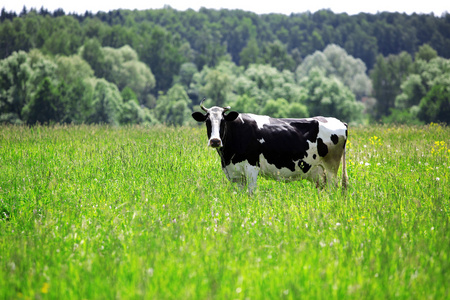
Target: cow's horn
x,y
226,108
201,105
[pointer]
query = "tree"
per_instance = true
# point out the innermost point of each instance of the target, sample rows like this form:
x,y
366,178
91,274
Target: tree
x,y
335,61
246,104
249,54
123,68
187,71
92,53
65,38
160,50
276,55
216,84
15,73
327,96
45,107
107,102
426,53
426,75
435,106
173,108
281,108
387,76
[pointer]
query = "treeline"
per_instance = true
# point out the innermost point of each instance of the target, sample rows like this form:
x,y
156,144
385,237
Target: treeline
x,y
154,66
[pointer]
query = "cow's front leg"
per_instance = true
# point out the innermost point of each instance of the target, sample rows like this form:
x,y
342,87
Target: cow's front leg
x,y
251,175
244,174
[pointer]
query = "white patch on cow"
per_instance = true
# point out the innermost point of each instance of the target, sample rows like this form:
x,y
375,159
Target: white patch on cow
x,y
240,117
260,120
271,171
261,141
215,118
332,126
215,131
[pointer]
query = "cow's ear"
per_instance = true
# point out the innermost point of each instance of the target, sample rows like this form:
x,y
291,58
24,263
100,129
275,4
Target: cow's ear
x,y
231,116
199,117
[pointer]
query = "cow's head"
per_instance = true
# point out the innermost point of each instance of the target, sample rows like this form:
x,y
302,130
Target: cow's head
x,y
216,120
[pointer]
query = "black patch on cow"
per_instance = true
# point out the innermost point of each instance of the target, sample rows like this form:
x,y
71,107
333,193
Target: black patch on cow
x,y
304,166
314,156
321,119
286,141
322,148
334,139
308,129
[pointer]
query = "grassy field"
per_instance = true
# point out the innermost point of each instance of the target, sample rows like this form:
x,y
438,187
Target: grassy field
x,y
94,212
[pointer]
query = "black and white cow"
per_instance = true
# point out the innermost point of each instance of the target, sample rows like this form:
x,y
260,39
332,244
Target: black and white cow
x,y
281,149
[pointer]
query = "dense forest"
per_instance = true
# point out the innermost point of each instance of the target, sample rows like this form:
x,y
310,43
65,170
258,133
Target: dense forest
x,y
154,66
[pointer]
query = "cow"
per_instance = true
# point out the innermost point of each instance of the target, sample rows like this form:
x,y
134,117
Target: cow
x,y
277,148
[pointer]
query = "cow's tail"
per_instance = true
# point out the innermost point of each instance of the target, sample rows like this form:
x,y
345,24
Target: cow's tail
x,y
344,172
344,164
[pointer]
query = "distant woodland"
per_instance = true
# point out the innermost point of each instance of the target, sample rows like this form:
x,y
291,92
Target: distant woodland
x,y
155,66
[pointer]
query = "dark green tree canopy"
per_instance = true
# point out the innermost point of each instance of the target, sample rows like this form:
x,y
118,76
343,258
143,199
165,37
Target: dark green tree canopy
x,y
119,66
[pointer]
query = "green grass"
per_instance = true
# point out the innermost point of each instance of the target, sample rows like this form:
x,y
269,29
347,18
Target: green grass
x,y
96,212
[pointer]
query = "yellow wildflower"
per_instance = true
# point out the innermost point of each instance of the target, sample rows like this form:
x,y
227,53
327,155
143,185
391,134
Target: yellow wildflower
x,y
45,287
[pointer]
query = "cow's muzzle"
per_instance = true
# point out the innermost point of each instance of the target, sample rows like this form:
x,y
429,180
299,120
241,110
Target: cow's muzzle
x,y
215,143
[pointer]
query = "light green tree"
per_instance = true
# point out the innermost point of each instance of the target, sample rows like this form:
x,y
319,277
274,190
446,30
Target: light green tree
x,y
123,68
328,96
106,103
423,93
335,61
15,73
173,108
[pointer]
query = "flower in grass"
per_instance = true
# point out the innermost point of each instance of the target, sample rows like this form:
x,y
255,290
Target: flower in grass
x,y
375,141
45,287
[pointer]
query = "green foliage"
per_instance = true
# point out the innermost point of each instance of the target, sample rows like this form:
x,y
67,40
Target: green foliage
x,y
276,55
15,73
281,108
387,77
92,212
123,68
427,88
92,53
151,50
246,104
45,106
186,74
402,116
173,108
327,96
132,113
159,49
335,61
435,106
249,54
106,102
426,53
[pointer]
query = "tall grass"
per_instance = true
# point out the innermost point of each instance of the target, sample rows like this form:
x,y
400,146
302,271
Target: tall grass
x,y
94,212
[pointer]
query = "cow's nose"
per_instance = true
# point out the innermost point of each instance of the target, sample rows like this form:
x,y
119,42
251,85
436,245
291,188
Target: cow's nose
x,y
215,143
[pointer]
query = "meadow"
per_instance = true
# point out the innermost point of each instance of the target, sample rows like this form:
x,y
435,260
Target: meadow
x,y
98,212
